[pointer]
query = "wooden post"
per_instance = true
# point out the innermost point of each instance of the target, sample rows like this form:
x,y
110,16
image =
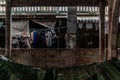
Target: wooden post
x,y
8,29
113,28
71,28
102,30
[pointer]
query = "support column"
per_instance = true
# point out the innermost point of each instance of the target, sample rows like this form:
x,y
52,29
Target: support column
x,y
113,28
71,28
102,30
8,29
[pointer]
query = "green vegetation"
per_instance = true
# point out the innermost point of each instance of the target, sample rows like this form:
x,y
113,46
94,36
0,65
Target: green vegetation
x,y
109,70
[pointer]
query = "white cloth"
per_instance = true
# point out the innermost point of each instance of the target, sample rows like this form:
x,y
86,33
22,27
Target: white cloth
x,y
48,36
20,28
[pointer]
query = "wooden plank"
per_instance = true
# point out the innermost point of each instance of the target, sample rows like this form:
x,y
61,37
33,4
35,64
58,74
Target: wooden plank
x,y
113,28
55,2
7,29
57,58
102,30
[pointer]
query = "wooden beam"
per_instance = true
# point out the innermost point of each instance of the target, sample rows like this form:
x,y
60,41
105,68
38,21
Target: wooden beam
x,y
102,30
54,58
55,2
7,29
113,28
71,27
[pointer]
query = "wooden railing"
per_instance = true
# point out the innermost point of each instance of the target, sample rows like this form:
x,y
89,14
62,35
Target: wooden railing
x,y
52,9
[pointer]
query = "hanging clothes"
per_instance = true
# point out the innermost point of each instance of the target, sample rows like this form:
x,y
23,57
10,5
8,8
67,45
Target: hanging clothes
x,y
48,36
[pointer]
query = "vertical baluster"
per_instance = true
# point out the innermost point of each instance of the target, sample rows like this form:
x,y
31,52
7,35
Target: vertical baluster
x,y
63,9
38,8
59,8
66,8
17,9
80,8
87,8
45,8
32,9
29,9
92,9
23,9
50,8
26,9
54,9
3,9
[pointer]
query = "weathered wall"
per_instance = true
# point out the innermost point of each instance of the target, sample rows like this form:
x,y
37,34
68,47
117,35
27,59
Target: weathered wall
x,y
55,57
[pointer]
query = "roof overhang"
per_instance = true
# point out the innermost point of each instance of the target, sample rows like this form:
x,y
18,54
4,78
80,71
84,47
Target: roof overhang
x,y
56,2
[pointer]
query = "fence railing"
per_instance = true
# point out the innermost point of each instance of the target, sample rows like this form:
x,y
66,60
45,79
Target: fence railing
x,y
52,9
